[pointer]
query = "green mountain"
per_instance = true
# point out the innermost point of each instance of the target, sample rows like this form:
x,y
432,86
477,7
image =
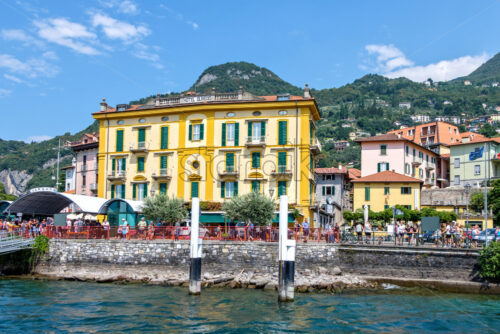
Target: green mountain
x,y
488,72
369,105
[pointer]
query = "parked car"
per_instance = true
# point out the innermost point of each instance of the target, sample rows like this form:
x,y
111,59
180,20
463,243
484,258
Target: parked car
x,y
481,237
429,236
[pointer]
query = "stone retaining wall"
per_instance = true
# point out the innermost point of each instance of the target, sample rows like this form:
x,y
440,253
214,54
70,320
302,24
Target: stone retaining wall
x,y
262,257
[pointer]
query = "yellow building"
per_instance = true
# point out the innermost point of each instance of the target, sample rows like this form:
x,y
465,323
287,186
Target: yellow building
x,y
211,146
461,211
387,189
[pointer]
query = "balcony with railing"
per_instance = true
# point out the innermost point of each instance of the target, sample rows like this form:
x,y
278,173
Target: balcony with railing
x,y
315,146
115,175
256,141
162,174
429,182
282,171
139,147
229,171
93,187
417,161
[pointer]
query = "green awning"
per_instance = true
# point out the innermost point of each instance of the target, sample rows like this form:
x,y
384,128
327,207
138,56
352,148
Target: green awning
x,y
212,218
276,219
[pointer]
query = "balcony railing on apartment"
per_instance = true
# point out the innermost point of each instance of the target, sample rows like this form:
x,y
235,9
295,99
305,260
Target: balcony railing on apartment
x,y
162,174
93,187
282,171
139,147
228,171
117,175
417,161
315,146
256,141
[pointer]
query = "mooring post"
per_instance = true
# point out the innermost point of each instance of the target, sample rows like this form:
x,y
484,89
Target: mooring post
x,y
195,249
286,256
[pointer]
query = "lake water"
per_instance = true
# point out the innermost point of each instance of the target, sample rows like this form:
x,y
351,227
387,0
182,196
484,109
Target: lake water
x,y
59,306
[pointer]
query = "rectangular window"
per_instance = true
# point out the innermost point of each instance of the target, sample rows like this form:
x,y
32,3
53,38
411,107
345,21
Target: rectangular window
x,y
386,207
386,190
427,158
382,166
383,149
230,162
414,153
367,193
141,138
407,168
195,189
256,186
281,162
163,164
477,169
282,132
84,180
164,138
407,148
311,163
456,163
140,164
163,188
230,134
405,190
328,191
229,189
408,207
140,191
433,160
119,140
255,159
281,188
256,132
196,131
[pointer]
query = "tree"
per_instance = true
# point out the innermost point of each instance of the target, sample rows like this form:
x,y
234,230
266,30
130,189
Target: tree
x,y
4,196
61,183
476,202
254,206
489,262
163,208
488,130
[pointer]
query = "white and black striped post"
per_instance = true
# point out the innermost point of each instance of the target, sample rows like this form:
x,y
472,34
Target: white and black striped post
x,y
286,256
195,249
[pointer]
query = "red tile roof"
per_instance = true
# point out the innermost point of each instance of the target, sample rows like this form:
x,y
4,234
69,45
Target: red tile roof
x,y
388,176
354,173
479,140
385,137
330,170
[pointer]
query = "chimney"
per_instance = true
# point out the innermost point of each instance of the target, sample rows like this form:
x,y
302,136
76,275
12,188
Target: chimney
x,y
157,100
104,105
307,92
340,167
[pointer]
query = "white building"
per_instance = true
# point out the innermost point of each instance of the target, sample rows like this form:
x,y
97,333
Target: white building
x,y
420,118
70,183
406,105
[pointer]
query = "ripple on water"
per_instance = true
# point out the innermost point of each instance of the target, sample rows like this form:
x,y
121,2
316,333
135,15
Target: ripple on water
x,y
47,306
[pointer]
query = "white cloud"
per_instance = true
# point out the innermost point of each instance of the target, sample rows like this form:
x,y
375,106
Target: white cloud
x,y
19,35
115,29
392,63
31,68
37,138
66,33
12,78
180,17
388,57
4,92
193,24
50,55
125,7
142,51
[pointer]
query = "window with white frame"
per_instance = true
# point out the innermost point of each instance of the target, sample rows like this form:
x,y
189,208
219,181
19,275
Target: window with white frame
x,y
457,180
229,189
456,163
230,134
196,131
477,169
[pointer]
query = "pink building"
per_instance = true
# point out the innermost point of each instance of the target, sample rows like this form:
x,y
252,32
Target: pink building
x,y
398,154
86,164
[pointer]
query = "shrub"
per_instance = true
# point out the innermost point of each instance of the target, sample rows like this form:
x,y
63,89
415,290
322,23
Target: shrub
x,y
162,208
489,262
256,207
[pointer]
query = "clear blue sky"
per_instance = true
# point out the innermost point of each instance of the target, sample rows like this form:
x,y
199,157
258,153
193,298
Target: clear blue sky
x,y
59,58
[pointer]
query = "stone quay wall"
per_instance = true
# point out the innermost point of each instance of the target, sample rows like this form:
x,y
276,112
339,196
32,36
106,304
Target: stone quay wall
x,y
220,257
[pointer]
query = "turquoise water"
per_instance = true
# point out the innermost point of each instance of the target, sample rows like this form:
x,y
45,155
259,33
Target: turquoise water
x,y
55,306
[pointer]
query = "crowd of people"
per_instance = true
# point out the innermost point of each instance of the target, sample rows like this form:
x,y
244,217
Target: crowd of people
x,y
27,228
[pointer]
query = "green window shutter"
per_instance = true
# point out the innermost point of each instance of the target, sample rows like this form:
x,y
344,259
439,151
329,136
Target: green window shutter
x,y
282,159
124,161
202,126
194,189
140,164
367,193
249,129
255,159
236,188
281,188
119,140
223,134
387,166
164,138
190,132
223,189
282,133
378,167
163,161
113,190
237,134
323,191
134,191
113,164
263,129
123,191
163,188
229,161
256,186
311,162
142,135
145,193
310,130
333,190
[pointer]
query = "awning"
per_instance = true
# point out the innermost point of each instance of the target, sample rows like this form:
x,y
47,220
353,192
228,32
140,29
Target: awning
x,y
212,218
136,206
50,202
276,219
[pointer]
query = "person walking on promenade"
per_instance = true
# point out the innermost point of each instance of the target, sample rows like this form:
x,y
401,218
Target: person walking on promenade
x,y
328,233
151,231
177,230
368,231
105,226
142,227
305,228
359,232
336,233
401,233
297,229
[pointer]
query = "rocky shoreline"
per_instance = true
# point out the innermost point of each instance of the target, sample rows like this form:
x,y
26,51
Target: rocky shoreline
x,y
305,281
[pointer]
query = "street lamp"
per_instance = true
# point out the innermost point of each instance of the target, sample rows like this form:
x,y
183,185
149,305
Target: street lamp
x,y
271,192
467,192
